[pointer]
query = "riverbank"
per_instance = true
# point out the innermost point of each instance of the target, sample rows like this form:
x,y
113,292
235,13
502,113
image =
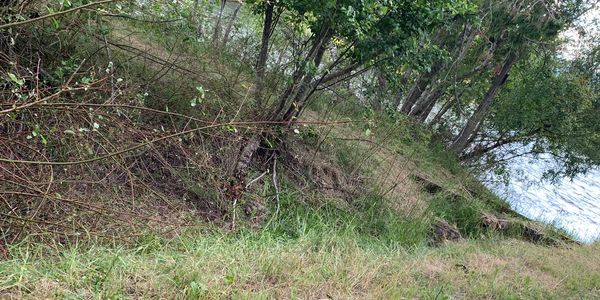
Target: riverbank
x,y
137,197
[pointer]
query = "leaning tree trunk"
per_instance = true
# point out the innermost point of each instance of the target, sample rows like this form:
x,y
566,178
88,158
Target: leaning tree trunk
x,y
418,88
423,107
403,81
217,31
303,93
230,26
298,78
425,113
338,76
377,103
413,94
461,141
438,116
261,63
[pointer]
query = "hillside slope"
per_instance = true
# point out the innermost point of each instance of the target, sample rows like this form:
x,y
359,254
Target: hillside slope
x,y
342,204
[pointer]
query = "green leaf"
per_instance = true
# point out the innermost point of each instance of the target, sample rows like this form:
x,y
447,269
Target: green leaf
x,y
201,91
16,80
231,129
56,23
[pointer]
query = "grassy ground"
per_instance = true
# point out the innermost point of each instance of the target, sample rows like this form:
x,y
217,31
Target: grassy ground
x,y
308,251
317,264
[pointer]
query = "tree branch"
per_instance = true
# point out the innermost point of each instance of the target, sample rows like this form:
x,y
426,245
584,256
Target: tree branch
x,y
56,14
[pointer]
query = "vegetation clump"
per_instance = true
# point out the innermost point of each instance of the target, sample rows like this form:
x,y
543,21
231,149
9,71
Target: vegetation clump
x,y
284,149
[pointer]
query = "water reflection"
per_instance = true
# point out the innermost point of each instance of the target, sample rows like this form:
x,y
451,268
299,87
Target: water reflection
x,y
572,205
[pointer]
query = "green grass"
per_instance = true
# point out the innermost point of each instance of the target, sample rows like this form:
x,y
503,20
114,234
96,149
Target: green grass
x,y
314,263
368,222
308,250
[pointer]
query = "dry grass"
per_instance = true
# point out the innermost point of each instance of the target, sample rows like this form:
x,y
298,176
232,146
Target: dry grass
x,y
389,173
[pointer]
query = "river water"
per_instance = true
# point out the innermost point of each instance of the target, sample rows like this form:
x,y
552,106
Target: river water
x,y
573,205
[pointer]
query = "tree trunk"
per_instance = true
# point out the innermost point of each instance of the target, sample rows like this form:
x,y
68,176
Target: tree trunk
x,y
418,88
217,32
300,74
423,107
230,26
403,81
422,116
245,158
443,110
299,99
333,78
261,63
461,141
381,90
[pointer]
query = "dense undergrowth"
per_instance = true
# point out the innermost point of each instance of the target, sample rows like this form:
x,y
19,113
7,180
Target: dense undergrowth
x,y
342,205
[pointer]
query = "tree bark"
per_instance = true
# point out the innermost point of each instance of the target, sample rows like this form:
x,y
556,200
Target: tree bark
x,y
443,110
413,94
217,32
423,107
422,116
300,73
261,63
461,141
418,88
245,158
230,26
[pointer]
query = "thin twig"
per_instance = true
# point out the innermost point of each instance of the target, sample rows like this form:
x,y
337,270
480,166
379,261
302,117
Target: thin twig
x,y
256,179
56,14
233,219
67,89
276,185
141,145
